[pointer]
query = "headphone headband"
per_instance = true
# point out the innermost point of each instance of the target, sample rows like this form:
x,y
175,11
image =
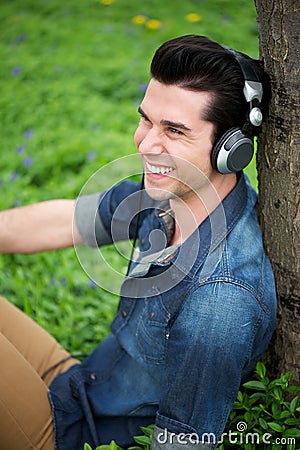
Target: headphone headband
x,y
253,89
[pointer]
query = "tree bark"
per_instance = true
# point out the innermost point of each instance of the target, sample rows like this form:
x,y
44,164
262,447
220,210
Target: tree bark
x,y
278,158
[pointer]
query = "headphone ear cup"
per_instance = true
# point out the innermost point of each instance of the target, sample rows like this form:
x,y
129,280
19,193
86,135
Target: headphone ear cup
x,y
232,152
218,146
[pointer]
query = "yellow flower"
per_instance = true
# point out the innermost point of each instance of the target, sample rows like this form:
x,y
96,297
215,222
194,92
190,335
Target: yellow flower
x,y
193,17
153,24
139,20
106,2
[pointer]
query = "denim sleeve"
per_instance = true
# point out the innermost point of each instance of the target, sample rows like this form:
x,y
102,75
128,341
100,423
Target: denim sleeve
x,y
88,221
108,217
208,347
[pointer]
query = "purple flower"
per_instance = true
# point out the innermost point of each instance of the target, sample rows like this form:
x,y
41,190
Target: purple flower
x,y
64,282
14,176
91,155
16,70
21,38
20,149
143,87
28,134
92,284
27,162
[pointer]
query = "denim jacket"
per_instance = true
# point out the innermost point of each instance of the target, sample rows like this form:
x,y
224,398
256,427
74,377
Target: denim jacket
x,y
191,324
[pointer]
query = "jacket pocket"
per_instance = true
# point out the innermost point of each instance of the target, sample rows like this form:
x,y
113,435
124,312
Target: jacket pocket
x,y
153,330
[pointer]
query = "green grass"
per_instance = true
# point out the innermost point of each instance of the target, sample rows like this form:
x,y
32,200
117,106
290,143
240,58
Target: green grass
x,y
71,75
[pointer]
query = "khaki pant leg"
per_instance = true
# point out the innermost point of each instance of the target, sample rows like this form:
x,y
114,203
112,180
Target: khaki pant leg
x,y
25,413
40,349
27,352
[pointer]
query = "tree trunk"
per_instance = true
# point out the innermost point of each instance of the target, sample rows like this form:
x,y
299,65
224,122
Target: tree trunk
x,y
279,173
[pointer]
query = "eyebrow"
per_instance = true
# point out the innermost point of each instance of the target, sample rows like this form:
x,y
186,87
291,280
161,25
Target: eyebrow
x,y
165,122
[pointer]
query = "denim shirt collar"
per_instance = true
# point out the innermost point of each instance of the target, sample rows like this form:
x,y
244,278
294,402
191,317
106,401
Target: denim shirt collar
x,y
210,236
204,241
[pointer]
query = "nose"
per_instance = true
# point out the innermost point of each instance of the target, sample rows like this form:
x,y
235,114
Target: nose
x,y
149,141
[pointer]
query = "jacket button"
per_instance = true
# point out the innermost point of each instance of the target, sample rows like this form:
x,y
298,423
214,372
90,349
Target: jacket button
x,y
124,314
151,315
93,376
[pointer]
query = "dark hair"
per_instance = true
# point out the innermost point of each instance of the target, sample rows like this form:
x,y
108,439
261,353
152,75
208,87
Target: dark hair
x,y
199,64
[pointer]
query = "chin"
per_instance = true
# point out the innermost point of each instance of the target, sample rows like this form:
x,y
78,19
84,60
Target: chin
x,y
158,194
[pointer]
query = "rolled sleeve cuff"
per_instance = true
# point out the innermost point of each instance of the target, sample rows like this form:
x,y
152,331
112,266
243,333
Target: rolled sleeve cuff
x,y
163,439
88,221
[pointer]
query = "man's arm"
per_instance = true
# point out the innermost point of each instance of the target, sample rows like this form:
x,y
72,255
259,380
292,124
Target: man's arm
x,y
50,225
39,227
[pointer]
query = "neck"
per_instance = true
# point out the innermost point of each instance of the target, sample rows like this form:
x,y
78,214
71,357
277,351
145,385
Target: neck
x,y
190,213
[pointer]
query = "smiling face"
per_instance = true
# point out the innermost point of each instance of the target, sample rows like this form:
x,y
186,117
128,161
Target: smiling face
x,y
175,141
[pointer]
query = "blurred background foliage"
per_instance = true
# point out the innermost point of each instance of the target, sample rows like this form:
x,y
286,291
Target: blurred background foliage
x,y
72,75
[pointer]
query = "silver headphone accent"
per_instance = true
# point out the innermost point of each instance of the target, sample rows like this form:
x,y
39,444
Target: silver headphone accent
x,y
255,116
253,91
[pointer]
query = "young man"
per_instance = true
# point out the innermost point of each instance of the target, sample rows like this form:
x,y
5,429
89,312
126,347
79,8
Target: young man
x,y
197,308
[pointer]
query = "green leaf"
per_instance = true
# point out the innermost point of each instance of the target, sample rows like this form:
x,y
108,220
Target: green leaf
x,y
111,446
143,440
284,414
87,447
293,389
292,432
248,417
249,446
148,431
255,385
276,447
275,383
258,395
276,427
277,393
258,408
294,404
286,376
276,410
240,397
134,448
292,421
263,423
291,447
261,369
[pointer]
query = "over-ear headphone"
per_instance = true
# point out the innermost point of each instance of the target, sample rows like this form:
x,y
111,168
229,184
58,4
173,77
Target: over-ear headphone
x,y
234,150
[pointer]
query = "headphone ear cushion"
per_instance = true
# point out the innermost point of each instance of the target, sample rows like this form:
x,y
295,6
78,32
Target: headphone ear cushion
x,y
219,144
232,152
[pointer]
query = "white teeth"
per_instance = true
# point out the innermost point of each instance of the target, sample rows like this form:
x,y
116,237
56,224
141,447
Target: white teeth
x,y
157,169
